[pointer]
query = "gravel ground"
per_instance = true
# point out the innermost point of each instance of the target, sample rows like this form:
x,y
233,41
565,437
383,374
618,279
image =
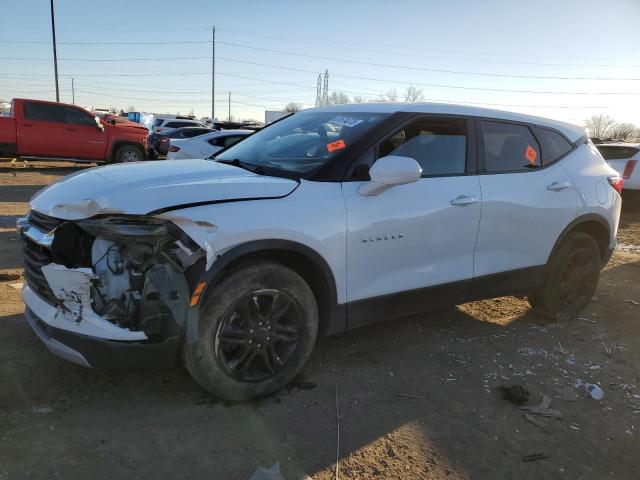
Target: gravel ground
x,y
413,398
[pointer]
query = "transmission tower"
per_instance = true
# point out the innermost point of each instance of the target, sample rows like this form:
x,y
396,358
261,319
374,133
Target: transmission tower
x,y
325,88
319,91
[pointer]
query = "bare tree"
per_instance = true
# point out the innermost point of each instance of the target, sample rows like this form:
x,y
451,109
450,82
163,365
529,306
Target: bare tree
x,y
600,126
623,131
359,99
390,96
292,107
191,112
338,98
131,108
413,94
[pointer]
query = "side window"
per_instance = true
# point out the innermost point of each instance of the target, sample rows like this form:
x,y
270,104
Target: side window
x,y
230,140
216,141
44,112
193,133
175,125
158,122
552,144
439,145
77,117
509,147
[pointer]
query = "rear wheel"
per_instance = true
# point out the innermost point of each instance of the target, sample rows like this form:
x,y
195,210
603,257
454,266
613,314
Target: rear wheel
x,y
256,331
129,153
572,277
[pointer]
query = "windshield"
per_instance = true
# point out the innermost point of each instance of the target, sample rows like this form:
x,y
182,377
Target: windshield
x,y
302,142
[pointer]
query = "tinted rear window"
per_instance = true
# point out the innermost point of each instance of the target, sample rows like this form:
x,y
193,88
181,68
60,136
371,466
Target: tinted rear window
x,y
44,112
552,144
509,147
610,152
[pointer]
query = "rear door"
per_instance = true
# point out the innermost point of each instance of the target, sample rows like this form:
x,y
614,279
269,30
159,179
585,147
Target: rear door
x,y
527,201
42,129
83,138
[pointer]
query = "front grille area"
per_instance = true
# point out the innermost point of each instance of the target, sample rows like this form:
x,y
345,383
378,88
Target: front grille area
x,y
43,222
35,256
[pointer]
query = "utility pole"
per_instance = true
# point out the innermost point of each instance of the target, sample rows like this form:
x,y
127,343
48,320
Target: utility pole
x,y
229,106
55,55
213,72
73,92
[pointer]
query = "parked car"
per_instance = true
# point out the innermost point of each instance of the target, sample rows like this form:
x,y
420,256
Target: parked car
x,y
623,157
204,146
165,126
328,220
161,140
56,130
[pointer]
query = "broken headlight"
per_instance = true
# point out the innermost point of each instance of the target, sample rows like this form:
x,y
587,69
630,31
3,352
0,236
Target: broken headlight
x,y
127,228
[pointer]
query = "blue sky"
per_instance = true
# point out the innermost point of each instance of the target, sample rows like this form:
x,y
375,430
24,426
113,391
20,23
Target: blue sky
x,y
463,51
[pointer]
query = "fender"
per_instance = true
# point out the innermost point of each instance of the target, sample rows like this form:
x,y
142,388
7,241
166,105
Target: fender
x,y
589,217
333,316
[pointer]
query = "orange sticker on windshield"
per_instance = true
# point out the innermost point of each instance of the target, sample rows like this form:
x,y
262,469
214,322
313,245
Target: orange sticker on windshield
x,y
337,145
531,154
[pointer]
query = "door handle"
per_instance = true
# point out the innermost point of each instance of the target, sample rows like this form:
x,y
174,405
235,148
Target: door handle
x,y
27,125
558,186
71,130
463,200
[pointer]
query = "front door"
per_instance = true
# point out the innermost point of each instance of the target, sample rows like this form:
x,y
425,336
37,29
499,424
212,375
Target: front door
x,y
410,248
83,138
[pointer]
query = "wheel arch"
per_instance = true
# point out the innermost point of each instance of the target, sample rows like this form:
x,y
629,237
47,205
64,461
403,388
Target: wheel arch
x,y
591,224
121,143
303,260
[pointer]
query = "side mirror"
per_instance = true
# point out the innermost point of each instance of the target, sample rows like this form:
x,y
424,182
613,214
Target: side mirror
x,y
390,171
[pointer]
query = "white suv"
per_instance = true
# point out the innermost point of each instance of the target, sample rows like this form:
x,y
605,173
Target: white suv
x,y
327,220
623,157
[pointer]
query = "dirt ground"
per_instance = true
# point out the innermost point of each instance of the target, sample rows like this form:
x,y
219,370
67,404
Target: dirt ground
x,y
408,399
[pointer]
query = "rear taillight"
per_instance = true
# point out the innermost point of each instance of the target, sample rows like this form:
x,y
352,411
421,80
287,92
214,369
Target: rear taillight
x,y
616,183
628,169
173,148
158,129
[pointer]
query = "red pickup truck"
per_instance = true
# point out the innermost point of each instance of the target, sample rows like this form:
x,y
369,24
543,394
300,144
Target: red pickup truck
x,y
40,129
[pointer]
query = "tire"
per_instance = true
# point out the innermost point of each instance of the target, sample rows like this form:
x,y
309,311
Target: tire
x,y
571,279
128,153
245,317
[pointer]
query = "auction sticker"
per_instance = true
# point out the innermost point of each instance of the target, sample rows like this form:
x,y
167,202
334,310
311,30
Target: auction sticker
x,y
345,121
337,145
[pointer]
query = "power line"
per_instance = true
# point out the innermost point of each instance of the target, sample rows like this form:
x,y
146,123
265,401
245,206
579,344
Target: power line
x,y
425,69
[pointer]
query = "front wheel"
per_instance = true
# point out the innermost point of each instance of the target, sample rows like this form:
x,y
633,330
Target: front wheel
x,y
256,331
572,277
129,153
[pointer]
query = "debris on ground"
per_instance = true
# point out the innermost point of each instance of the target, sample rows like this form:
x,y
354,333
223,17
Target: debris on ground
x,y
633,301
566,393
272,473
533,457
594,391
543,409
535,420
409,395
17,285
515,394
42,410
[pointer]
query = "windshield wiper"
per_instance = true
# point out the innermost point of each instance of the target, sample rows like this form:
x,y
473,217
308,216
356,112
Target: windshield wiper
x,y
236,162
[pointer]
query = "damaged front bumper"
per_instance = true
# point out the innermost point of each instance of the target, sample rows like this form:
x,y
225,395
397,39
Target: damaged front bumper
x,y
113,302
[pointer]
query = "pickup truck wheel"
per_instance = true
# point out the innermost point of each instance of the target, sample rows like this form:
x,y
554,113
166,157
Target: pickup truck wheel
x,y
129,153
256,331
572,277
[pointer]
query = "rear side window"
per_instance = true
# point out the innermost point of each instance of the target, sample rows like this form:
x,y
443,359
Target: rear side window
x,y
176,124
439,145
509,148
44,112
231,139
611,152
195,132
158,122
552,144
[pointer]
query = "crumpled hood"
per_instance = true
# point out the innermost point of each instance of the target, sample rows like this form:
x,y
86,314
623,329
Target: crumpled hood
x,y
143,187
